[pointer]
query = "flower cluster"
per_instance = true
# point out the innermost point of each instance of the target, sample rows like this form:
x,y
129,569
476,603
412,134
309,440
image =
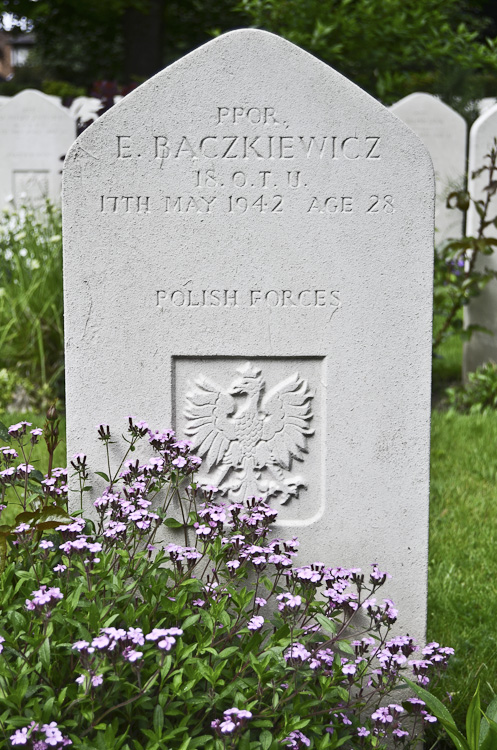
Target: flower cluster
x,y
44,598
223,589
40,738
119,643
297,740
233,720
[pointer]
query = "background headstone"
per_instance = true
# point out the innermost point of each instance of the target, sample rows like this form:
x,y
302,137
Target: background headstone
x,y
250,226
444,132
35,135
485,104
85,108
482,310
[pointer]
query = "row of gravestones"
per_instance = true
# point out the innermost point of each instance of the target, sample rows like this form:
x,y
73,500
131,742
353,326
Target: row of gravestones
x,y
443,131
36,132
248,258
36,137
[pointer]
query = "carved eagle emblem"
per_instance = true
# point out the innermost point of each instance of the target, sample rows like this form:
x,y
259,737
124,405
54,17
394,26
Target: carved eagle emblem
x,y
248,438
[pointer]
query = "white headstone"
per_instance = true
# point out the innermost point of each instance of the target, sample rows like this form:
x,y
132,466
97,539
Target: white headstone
x,y
55,99
249,225
35,135
85,108
444,132
485,104
4,100
482,310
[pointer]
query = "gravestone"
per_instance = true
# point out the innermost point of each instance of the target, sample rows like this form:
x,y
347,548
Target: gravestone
x,y
444,132
85,108
35,135
482,310
250,229
485,104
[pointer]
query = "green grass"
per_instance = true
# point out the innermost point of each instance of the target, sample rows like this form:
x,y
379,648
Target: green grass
x,y
447,366
31,299
39,458
462,600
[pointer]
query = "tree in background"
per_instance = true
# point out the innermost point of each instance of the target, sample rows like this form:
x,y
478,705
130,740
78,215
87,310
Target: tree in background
x,y
81,41
389,47
393,47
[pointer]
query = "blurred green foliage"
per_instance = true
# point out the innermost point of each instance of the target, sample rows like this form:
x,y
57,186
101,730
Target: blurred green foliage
x,y
31,302
391,47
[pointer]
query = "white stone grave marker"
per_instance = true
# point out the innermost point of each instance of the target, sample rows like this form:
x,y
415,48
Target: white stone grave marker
x,y
444,132
250,229
485,104
482,311
85,108
35,135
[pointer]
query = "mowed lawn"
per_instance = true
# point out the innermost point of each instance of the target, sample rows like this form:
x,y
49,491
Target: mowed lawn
x,y
462,600
462,581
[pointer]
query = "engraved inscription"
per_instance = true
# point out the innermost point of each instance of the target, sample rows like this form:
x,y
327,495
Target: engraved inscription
x,y
255,298
244,163
124,204
249,438
240,115
260,147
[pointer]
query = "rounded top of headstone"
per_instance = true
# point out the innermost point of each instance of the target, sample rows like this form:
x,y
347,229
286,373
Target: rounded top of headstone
x,y
489,114
256,61
32,98
420,102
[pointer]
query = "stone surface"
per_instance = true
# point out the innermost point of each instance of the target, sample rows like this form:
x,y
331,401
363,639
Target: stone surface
x,y
35,135
482,310
248,229
485,104
444,133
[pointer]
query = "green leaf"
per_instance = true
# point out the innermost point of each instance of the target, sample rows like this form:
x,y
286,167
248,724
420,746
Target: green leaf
x,y
473,718
172,523
328,625
266,739
158,720
27,516
55,513
3,551
4,434
36,475
190,620
44,653
490,715
200,741
103,475
439,710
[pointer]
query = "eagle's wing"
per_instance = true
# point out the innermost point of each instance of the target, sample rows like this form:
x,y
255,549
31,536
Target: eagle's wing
x,y
286,427
208,425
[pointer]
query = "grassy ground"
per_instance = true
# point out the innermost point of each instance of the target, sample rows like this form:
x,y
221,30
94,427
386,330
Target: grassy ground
x,y
39,456
462,598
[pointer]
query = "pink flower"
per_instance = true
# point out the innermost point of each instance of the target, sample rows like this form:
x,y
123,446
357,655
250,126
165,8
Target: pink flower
x,y
255,623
